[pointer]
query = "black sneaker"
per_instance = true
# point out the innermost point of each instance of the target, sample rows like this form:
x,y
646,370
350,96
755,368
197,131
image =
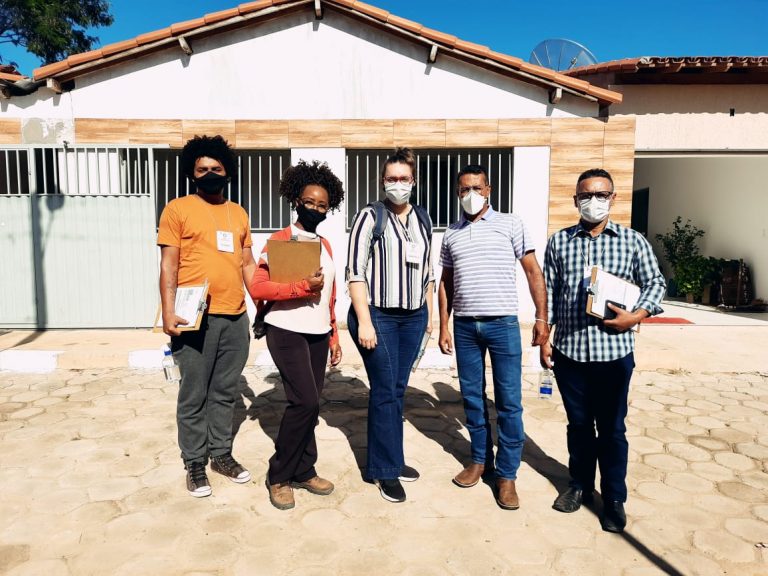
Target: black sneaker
x,y
197,481
229,467
408,474
391,490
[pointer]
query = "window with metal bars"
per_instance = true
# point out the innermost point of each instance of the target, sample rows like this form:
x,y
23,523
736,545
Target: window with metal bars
x,y
255,187
435,188
75,171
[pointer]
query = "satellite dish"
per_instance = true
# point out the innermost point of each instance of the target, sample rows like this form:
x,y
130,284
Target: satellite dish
x,y
560,55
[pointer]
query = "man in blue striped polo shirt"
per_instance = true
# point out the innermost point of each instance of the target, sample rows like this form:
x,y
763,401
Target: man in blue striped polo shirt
x,y
479,255
593,357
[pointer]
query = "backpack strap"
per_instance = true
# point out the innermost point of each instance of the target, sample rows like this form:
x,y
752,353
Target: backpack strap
x,y
424,219
379,222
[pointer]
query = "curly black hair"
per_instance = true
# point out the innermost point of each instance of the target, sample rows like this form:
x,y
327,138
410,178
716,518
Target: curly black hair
x,y
209,147
298,177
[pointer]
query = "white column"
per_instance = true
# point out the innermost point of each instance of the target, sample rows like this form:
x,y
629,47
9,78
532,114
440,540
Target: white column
x,y
530,201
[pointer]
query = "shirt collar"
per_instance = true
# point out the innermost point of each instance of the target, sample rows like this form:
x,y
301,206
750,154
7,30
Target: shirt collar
x,y
490,214
295,231
612,229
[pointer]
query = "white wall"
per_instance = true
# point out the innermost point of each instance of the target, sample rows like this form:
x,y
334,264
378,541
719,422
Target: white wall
x,y
697,117
727,197
530,201
297,68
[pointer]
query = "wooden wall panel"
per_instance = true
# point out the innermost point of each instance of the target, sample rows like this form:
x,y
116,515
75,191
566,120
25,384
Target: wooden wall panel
x,y
420,133
223,128
261,134
314,133
525,132
155,132
579,144
367,133
101,131
10,130
576,144
470,133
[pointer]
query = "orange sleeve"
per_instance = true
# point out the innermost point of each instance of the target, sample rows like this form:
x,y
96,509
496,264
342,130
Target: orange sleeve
x,y
169,229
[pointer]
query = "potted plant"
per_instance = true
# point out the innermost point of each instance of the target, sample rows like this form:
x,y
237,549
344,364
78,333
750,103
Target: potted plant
x,y
690,274
681,242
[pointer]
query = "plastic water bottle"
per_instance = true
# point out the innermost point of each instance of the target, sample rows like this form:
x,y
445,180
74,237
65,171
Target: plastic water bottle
x,y
545,383
171,369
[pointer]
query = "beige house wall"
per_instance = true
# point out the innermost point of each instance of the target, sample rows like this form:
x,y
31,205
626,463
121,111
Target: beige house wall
x,y
696,117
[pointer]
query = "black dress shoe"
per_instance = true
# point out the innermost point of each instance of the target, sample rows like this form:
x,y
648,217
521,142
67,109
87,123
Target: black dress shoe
x,y
614,518
571,500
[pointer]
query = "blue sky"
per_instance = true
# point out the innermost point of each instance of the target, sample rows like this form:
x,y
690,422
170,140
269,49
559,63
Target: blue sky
x,y
610,29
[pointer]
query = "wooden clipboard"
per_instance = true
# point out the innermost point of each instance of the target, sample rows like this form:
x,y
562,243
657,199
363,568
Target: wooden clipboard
x,y
190,304
605,287
292,260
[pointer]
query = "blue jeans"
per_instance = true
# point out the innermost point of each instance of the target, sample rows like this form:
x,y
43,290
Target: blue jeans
x,y
595,396
388,365
500,336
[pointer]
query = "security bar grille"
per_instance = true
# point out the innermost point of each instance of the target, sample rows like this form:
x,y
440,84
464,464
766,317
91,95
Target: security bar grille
x,y
435,188
255,188
136,171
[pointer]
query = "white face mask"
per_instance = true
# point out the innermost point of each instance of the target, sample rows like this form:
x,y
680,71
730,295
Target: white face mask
x,y
398,192
594,210
472,202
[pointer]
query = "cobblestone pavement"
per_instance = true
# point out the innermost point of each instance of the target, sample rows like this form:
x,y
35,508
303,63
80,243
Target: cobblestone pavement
x,y
91,483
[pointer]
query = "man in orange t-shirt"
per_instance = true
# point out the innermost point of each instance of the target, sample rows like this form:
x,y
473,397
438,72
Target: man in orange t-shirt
x,y
203,236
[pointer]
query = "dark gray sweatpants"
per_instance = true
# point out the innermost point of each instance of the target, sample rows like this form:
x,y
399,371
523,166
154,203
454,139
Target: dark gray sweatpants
x,y
211,361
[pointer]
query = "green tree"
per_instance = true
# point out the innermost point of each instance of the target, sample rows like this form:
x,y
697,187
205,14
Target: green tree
x,y
51,29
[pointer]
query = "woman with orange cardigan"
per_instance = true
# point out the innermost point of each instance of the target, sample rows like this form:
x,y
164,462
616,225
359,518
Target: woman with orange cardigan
x,y
300,330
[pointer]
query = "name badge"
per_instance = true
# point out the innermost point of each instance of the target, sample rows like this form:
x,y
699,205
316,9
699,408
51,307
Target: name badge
x,y
587,281
412,253
225,241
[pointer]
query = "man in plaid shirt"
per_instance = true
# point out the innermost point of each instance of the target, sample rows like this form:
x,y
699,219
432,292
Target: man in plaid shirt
x,y
593,358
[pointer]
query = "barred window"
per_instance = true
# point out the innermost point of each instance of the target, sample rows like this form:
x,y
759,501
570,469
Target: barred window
x,y
255,187
435,188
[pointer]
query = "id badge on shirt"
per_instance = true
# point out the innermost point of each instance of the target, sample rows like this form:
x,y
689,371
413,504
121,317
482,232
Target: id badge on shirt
x,y
225,241
412,253
588,277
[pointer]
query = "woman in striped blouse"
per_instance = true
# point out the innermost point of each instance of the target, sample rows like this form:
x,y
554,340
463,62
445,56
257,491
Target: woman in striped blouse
x,y
390,283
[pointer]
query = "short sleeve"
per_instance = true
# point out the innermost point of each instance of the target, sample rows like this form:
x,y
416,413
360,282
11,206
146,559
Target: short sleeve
x,y
169,229
360,238
446,260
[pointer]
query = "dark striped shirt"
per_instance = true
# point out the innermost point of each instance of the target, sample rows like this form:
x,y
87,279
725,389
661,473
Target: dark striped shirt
x,y
484,255
392,281
620,251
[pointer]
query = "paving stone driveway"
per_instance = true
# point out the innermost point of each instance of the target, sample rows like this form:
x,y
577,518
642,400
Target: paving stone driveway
x,y
91,483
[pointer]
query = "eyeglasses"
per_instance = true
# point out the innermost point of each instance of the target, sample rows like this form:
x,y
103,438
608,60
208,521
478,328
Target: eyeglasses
x,y
310,205
588,196
401,179
464,190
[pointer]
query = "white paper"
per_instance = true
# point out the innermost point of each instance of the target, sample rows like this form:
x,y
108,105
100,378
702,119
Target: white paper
x,y
609,287
187,303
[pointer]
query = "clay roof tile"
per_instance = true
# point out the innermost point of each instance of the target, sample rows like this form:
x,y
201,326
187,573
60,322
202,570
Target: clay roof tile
x,y
83,57
249,7
373,11
409,25
214,17
50,69
447,39
150,37
181,27
472,48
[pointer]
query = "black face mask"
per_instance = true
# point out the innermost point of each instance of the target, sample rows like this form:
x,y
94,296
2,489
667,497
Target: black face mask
x,y
211,183
309,218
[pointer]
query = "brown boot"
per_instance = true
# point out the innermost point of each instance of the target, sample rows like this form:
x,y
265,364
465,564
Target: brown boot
x,y
469,476
507,495
281,495
315,485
